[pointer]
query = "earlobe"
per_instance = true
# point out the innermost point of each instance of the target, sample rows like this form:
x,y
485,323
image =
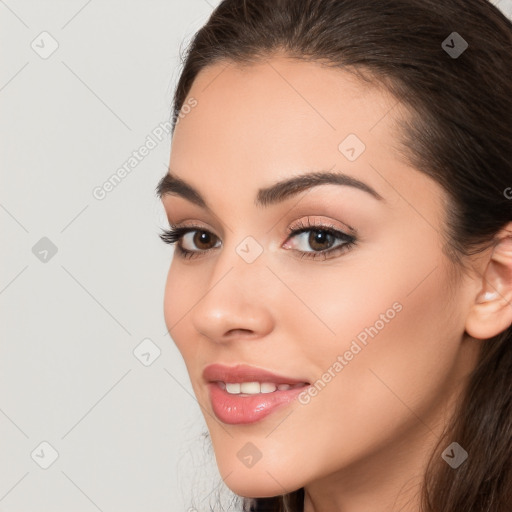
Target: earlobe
x,y
491,312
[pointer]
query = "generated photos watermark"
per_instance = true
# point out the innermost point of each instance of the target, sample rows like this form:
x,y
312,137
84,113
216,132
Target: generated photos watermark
x,y
154,138
355,348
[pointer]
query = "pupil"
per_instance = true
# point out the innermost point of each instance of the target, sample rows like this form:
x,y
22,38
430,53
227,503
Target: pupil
x,y
318,239
201,238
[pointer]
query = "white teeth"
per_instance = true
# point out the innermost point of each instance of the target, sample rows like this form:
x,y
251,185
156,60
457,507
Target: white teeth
x,y
254,388
250,388
234,389
268,387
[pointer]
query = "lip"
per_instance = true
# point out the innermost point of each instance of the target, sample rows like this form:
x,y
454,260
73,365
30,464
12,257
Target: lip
x,y
245,373
239,409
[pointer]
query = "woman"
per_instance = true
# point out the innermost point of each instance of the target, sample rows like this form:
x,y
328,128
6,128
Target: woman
x,y
339,197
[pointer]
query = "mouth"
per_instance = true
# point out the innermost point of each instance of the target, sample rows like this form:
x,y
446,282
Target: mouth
x,y
248,375
255,388
245,394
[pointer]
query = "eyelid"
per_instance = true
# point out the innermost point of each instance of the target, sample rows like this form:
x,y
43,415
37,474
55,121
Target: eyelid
x,y
322,223
176,235
295,226
193,224
344,236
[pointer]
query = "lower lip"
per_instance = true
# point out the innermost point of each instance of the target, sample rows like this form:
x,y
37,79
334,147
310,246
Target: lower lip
x,y
239,409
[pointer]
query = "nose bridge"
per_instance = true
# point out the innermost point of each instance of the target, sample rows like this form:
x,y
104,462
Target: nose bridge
x,y
235,296
243,263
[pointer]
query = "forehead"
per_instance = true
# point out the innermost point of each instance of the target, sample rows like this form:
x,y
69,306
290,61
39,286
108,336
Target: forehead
x,y
280,110
257,124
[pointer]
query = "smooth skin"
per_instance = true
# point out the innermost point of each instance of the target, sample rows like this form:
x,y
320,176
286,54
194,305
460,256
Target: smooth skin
x,y
362,443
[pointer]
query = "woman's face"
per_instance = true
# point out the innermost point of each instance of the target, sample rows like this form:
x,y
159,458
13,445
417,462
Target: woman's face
x,y
366,318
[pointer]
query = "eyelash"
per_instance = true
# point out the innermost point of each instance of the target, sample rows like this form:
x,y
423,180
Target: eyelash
x,y
176,233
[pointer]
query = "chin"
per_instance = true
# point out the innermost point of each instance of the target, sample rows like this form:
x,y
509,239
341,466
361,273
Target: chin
x,y
248,486
263,480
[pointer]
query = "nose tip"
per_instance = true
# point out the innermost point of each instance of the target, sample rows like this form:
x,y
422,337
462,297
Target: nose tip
x,y
230,319
235,306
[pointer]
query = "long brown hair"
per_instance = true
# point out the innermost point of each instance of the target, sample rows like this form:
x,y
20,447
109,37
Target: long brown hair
x,y
459,134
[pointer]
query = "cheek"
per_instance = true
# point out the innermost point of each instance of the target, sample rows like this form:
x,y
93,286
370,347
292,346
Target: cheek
x,y
397,337
182,291
394,284
401,373
390,327
172,301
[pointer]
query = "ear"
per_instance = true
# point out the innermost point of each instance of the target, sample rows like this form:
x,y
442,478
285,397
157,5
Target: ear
x,y
491,312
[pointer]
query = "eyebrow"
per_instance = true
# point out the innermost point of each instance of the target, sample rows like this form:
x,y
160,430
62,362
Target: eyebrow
x,y
170,184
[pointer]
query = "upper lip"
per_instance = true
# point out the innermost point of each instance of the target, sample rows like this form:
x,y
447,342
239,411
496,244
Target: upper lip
x,y
245,373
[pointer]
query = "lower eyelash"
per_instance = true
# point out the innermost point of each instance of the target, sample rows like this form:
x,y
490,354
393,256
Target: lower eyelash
x,y
185,253
174,235
329,253
349,240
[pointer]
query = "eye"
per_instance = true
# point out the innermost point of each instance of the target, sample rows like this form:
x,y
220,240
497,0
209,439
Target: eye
x,y
311,240
191,240
318,240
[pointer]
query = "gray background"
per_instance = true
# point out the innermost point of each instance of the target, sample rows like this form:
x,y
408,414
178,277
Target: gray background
x,y
127,429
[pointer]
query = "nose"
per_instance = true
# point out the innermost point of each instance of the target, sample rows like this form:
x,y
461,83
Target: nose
x,y
235,302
